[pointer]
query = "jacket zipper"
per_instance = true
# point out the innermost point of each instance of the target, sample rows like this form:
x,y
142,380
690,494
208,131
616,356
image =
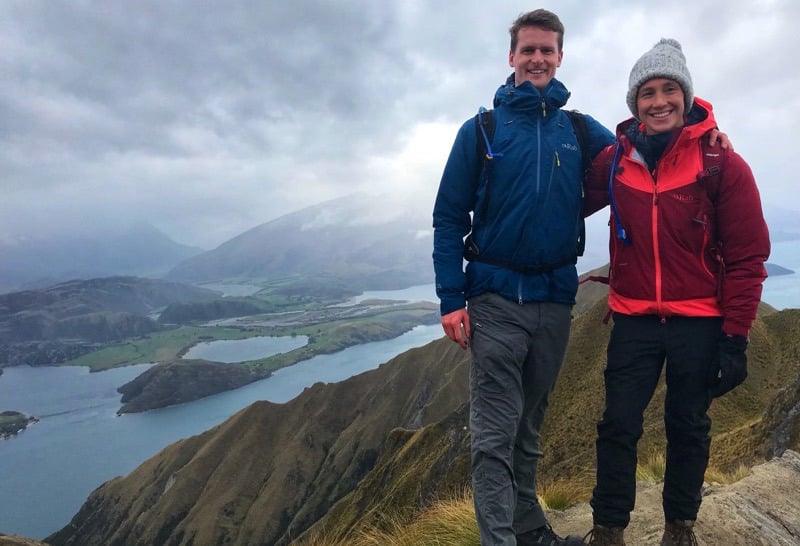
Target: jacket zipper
x,y
538,184
656,249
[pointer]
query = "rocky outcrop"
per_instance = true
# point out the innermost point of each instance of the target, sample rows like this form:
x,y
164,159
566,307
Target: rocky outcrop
x,y
763,509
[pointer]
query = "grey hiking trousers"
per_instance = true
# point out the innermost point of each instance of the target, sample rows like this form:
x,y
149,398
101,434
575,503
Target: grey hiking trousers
x,y
517,352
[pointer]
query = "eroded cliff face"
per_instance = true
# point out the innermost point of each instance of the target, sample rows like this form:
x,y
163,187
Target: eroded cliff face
x,y
394,437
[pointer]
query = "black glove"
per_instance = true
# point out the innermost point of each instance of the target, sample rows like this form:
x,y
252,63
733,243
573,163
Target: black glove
x,y
729,369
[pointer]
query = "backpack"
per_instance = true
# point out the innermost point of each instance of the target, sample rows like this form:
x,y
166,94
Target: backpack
x,y
484,128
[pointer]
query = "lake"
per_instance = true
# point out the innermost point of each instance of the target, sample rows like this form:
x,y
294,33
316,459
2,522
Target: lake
x,y
783,291
50,469
241,350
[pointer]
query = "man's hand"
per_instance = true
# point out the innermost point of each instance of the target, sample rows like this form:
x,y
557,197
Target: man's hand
x,y
452,324
715,135
730,366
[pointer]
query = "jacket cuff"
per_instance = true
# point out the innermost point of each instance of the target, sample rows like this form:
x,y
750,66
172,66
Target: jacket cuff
x,y
452,303
734,329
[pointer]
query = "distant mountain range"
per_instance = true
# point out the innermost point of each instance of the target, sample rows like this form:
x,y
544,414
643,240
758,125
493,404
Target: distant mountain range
x,y
360,241
140,250
373,243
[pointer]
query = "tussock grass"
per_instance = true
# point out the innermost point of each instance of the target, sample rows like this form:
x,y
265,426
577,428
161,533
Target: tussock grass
x,y
652,470
714,475
452,522
562,493
652,467
446,523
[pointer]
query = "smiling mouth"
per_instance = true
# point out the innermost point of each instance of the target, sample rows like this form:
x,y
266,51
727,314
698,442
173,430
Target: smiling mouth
x,y
661,115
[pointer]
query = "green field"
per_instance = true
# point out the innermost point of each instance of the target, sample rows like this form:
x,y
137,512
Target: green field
x,y
327,333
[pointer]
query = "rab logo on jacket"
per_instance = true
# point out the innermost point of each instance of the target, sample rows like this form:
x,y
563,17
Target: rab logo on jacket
x,y
683,198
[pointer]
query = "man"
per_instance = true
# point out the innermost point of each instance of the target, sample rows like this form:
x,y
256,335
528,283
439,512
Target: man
x,y
521,281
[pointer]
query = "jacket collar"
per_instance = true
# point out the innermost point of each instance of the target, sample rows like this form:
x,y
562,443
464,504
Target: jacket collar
x,y
526,97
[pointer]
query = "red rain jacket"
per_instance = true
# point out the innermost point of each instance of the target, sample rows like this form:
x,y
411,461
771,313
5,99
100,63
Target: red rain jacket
x,y
688,256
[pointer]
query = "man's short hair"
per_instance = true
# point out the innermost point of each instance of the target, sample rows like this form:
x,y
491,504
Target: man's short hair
x,y
537,18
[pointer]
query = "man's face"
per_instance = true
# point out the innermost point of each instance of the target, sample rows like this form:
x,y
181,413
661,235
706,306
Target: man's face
x,y
536,56
660,104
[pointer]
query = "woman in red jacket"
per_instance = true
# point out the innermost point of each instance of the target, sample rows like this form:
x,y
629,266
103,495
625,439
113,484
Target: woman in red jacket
x,y
685,276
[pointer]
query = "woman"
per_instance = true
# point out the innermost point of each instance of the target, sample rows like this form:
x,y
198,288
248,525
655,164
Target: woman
x,y
686,269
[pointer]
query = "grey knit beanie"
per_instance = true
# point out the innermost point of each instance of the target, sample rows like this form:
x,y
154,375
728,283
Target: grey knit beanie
x,y
665,60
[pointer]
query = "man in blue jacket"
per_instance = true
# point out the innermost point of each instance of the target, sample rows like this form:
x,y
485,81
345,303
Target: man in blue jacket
x,y
524,224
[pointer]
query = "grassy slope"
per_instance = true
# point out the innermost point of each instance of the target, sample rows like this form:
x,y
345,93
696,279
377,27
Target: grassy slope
x,y
744,422
273,470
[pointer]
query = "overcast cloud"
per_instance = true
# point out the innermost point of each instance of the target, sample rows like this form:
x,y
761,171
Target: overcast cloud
x,y
208,118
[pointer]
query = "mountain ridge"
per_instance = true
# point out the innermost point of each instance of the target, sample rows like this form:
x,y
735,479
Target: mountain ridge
x,y
317,461
348,238
136,250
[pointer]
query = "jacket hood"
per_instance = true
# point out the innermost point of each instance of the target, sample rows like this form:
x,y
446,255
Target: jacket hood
x,y
528,97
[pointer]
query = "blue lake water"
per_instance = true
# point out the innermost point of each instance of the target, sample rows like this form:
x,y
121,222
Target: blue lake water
x,y
233,289
241,350
783,291
50,469
424,292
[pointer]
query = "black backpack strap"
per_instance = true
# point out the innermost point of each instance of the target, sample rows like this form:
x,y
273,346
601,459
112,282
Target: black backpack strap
x,y
709,177
484,129
581,129
484,133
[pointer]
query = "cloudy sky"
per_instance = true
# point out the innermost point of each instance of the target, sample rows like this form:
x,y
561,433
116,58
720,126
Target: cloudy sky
x,y
206,118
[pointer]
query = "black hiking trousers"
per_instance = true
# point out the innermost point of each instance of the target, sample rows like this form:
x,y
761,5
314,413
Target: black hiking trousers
x,y
637,351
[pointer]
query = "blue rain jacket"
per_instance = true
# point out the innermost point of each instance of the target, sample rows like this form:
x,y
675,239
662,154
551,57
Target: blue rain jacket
x,y
534,205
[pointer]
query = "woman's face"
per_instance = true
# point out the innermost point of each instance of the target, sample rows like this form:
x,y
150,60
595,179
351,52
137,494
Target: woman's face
x,y
661,105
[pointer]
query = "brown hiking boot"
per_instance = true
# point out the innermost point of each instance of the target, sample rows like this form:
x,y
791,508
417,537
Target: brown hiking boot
x,y
679,533
606,536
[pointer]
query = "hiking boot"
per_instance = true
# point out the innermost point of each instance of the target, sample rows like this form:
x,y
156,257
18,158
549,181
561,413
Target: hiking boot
x,y
545,536
679,533
606,536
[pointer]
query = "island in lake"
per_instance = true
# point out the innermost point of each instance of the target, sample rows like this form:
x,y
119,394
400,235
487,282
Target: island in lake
x,y
14,422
